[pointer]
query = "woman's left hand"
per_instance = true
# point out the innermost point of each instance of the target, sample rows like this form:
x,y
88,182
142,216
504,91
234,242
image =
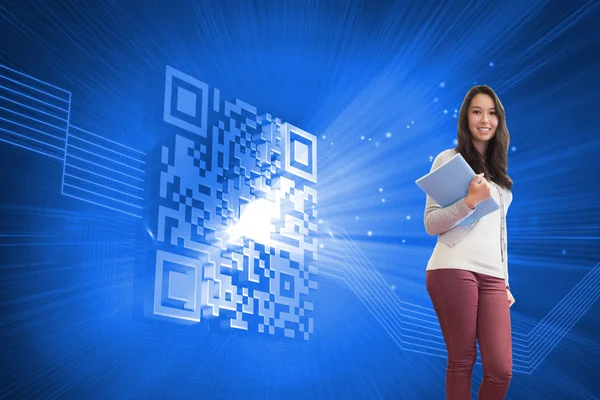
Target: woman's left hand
x,y
511,299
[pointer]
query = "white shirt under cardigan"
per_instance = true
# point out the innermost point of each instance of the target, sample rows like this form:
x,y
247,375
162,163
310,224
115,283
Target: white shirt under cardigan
x,y
481,249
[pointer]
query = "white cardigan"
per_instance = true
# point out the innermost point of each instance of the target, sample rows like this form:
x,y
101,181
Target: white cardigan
x,y
479,247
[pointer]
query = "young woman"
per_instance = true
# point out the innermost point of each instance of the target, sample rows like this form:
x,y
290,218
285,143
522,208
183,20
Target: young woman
x,y
467,274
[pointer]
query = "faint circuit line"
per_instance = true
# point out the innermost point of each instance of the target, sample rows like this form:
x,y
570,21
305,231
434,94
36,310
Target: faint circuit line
x,y
27,147
106,148
404,322
550,331
31,108
40,126
384,289
36,116
416,330
121,170
27,127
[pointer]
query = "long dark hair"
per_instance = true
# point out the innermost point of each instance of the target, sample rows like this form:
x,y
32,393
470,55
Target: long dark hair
x,y
495,164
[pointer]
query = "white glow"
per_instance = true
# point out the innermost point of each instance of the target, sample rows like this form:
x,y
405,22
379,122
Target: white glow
x,y
255,222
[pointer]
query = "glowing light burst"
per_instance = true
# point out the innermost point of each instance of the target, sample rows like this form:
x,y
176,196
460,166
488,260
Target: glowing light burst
x,y
255,222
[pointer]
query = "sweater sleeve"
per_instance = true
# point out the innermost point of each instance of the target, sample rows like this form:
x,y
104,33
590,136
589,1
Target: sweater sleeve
x,y
437,219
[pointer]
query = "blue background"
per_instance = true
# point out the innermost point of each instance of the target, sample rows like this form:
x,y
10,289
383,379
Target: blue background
x,y
378,83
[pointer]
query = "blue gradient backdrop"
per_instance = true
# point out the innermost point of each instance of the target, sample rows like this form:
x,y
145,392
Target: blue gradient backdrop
x,y
379,85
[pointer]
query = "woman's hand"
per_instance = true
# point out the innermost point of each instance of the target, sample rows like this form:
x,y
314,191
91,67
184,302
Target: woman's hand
x,y
511,299
479,191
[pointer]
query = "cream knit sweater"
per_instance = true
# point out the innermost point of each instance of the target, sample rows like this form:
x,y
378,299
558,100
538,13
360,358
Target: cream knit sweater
x,y
480,250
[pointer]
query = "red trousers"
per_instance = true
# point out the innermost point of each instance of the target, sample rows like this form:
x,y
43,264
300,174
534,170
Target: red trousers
x,y
472,306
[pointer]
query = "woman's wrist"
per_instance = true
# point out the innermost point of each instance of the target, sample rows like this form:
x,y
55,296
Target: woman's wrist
x,y
469,202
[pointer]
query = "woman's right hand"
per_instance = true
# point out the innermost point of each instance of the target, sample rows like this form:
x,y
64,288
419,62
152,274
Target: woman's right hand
x,y
479,191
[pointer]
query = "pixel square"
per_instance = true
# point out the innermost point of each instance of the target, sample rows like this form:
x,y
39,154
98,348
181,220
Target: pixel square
x,y
286,287
300,152
176,289
186,102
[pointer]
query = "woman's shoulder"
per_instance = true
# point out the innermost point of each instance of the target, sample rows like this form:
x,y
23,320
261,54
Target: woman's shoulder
x,y
445,156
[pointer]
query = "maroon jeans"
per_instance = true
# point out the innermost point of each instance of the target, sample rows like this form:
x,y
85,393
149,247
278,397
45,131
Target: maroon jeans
x,y
472,306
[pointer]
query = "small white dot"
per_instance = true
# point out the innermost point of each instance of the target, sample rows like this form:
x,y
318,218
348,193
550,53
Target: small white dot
x,y
332,143
445,111
324,136
514,148
393,287
430,158
455,111
455,141
403,240
388,135
320,221
357,218
381,189
408,217
413,122
370,233
383,200
321,245
369,139
362,138
454,116
407,126
442,84
491,64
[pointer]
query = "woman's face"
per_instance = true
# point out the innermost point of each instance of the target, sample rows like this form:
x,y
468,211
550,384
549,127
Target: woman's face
x,y
483,119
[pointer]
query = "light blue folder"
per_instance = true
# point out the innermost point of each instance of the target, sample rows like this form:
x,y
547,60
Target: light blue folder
x,y
450,183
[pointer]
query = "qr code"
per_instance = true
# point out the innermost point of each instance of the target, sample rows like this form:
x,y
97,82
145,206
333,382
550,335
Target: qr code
x,y
237,218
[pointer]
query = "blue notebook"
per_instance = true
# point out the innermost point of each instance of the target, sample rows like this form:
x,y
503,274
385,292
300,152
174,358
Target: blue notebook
x,y
450,183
